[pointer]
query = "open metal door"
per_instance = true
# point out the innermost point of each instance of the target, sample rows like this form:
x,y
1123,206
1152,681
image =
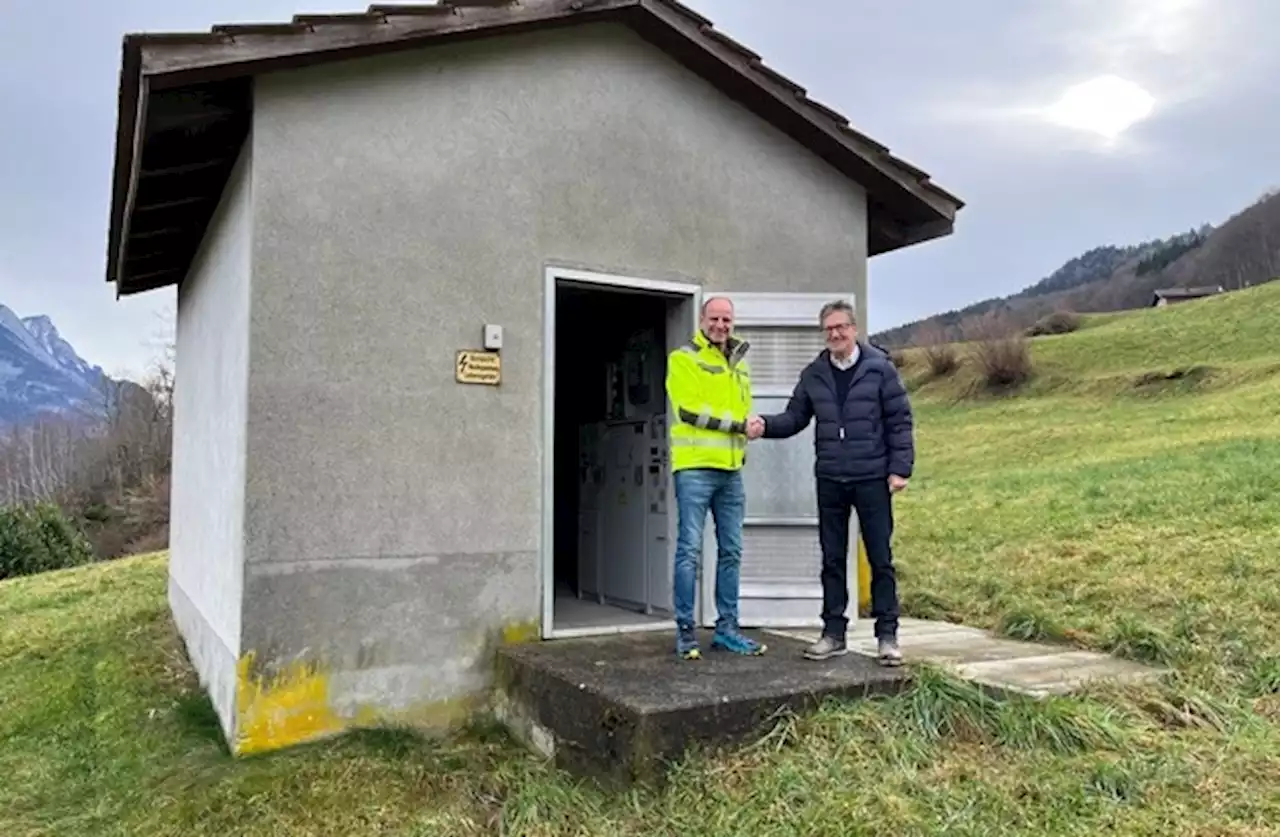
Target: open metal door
x,y
781,556
682,321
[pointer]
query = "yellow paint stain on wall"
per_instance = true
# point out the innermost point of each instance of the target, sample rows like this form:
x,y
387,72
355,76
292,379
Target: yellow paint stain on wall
x,y
290,708
518,633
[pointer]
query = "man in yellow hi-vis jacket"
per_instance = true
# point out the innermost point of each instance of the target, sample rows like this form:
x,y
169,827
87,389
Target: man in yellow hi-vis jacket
x,y
709,385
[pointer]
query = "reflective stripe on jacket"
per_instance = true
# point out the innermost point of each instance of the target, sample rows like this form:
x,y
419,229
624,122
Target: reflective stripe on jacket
x,y
710,398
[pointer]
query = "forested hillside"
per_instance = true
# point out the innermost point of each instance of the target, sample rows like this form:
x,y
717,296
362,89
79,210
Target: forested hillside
x,y
1242,252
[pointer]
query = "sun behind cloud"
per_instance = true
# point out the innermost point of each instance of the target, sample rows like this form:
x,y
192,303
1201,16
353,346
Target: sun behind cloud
x,y
1106,105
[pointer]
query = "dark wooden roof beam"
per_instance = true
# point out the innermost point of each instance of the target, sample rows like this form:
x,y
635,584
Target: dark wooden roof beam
x,y
181,205
164,229
196,179
163,279
249,30
161,155
688,13
914,171
890,233
721,38
186,168
158,232
412,9
833,115
862,139
183,38
150,276
227,95
944,194
156,207
777,77
341,19
479,4
161,123
148,261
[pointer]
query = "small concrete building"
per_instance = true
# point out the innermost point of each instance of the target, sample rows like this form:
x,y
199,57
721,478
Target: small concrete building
x,y
429,261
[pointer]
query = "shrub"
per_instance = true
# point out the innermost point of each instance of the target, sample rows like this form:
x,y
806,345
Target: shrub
x,y
1001,351
138,522
38,538
942,359
1059,322
939,354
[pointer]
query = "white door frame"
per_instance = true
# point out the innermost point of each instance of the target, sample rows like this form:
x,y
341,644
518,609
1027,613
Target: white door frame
x,y
552,276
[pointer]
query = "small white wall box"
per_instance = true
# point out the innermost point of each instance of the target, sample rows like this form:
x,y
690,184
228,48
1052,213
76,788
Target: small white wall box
x,y
493,337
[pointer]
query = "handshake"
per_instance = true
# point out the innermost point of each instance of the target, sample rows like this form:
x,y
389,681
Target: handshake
x,y
755,427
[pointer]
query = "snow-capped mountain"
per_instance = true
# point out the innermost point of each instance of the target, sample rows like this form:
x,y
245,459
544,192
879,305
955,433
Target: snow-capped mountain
x,y
46,334
41,373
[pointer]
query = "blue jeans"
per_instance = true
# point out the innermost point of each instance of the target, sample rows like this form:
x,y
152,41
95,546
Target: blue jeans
x,y
697,491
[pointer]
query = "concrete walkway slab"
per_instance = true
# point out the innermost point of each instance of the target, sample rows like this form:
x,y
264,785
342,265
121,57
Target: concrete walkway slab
x,y
1030,668
1057,673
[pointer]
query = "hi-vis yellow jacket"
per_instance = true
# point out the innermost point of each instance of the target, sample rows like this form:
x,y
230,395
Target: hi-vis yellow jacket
x,y
710,399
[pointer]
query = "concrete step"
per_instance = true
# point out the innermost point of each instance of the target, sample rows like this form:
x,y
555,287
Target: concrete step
x,y
622,707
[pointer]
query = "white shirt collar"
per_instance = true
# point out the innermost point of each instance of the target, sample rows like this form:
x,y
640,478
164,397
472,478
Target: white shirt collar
x,y
848,362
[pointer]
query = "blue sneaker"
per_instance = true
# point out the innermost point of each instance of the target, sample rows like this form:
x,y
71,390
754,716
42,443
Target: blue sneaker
x,y
732,640
687,644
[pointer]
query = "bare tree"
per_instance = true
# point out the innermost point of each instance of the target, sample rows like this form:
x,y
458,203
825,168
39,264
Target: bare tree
x,y
108,467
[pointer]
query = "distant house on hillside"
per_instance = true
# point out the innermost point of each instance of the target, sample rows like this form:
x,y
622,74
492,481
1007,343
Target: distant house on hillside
x,y
1169,296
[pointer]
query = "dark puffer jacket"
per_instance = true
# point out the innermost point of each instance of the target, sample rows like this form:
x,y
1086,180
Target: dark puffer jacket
x,y
869,436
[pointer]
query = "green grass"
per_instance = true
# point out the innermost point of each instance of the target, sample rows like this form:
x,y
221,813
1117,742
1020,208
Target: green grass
x,y
1213,343
1082,512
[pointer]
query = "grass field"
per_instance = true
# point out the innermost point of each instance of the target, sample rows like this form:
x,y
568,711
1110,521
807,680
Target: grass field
x,y
1094,509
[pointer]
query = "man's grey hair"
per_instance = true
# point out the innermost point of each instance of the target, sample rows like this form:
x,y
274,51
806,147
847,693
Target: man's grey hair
x,y
838,305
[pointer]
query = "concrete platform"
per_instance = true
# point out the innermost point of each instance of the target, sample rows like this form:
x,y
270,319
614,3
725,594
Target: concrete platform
x,y
621,707
1029,668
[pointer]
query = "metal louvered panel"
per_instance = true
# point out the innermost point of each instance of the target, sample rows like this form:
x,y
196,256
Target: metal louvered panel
x,y
781,554
778,475
779,353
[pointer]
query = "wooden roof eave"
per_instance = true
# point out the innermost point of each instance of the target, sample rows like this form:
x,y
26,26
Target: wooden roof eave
x,y
904,208
173,160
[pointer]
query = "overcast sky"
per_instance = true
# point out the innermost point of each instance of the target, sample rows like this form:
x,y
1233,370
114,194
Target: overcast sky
x,y
1064,124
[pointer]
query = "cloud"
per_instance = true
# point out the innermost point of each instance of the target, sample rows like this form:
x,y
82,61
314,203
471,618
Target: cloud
x,y
1179,49
1180,52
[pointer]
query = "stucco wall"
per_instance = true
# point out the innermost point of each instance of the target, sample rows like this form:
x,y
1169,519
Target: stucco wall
x,y
400,204
212,364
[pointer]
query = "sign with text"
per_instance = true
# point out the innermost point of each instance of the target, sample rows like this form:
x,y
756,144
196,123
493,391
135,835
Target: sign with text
x,y
478,367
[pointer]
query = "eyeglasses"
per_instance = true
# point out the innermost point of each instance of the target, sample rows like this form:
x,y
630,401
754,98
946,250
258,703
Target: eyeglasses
x,y
839,328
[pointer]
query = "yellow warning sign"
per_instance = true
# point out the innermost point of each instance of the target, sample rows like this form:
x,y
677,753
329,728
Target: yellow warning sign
x,y
478,367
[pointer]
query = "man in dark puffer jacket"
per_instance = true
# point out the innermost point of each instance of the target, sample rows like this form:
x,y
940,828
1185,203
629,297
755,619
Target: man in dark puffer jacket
x,y
864,454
